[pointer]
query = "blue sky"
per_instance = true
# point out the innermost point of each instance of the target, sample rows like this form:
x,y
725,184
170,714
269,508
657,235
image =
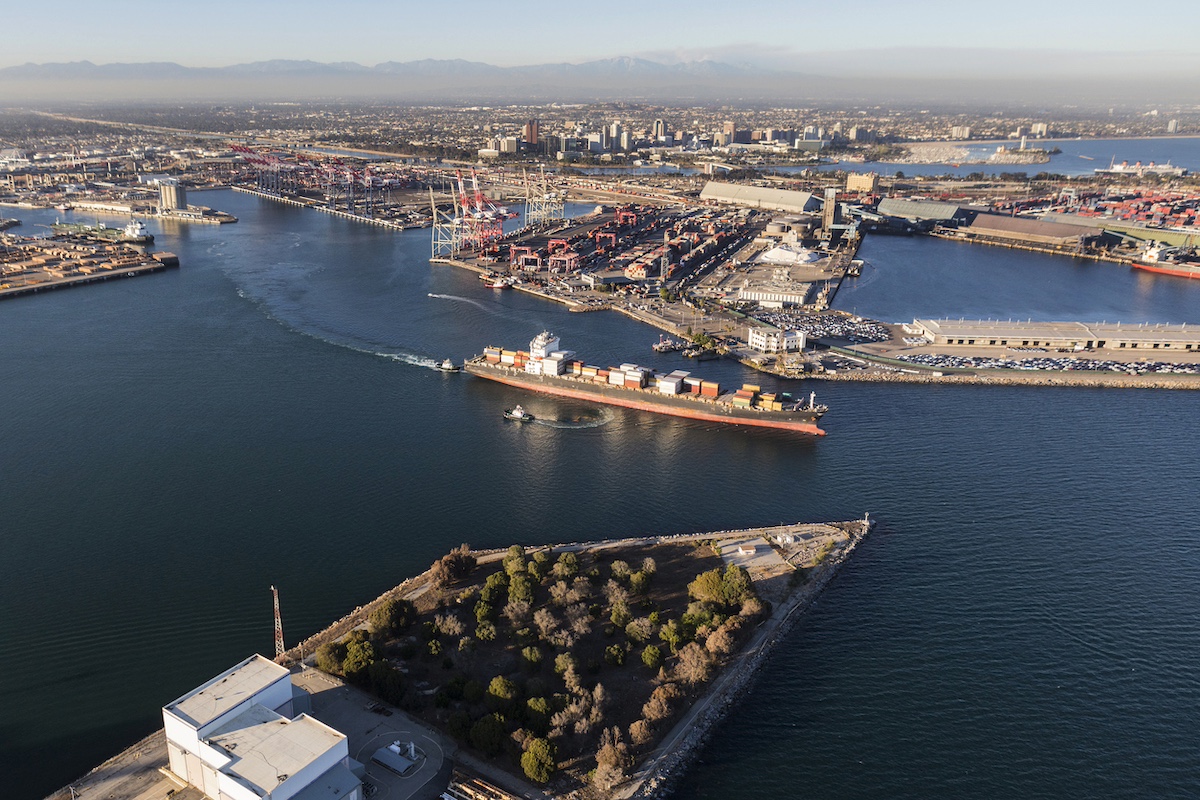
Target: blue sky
x,y
765,32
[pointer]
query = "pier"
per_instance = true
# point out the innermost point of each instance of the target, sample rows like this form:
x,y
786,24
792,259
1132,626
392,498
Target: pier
x,y
335,212
29,266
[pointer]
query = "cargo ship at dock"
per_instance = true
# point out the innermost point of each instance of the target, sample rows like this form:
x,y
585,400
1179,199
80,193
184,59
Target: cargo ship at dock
x,y
546,369
1177,261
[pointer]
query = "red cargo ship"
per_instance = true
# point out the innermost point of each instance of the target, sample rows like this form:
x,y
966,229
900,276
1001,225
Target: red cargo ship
x,y
1178,261
546,369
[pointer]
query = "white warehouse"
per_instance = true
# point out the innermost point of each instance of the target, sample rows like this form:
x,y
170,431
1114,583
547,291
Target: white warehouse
x,y
768,341
234,739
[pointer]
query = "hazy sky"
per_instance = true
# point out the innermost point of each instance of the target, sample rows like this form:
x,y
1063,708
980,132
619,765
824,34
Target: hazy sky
x,y
765,32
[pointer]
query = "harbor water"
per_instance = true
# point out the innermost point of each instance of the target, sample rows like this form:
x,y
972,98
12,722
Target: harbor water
x,y
1022,624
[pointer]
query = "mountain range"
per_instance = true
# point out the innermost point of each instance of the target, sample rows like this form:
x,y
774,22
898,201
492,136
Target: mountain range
x,y
623,78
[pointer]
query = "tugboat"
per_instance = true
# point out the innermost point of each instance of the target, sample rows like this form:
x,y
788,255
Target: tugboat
x,y
518,414
666,345
448,366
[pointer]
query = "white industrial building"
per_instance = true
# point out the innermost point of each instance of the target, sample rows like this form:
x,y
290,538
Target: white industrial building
x,y
234,739
758,197
769,341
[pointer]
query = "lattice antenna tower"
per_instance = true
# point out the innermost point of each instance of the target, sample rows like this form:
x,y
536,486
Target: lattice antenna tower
x,y
279,648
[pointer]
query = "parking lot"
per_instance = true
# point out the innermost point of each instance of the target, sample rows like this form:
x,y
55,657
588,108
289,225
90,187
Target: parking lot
x,y
370,725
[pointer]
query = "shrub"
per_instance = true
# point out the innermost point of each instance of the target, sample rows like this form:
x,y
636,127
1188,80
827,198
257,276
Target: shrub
x,y
658,707
640,732
487,735
694,664
537,714
720,642
330,657
502,694
532,656
648,566
520,589
639,582
564,662
652,656
392,616
495,588
621,615
485,632
514,560
615,655
448,624
640,630
483,611
546,622
672,635
567,565
538,762
620,570
360,655
456,564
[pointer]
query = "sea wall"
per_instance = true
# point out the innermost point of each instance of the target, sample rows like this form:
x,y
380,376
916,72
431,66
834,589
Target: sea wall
x,y
660,775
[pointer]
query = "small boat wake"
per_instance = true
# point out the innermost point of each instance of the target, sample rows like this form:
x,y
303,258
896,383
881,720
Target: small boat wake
x,y
413,359
455,297
578,422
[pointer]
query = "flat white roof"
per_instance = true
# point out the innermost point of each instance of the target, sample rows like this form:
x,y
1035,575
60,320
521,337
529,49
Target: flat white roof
x,y
233,686
267,748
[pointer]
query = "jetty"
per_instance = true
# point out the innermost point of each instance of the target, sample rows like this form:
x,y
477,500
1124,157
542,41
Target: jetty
x,y
787,567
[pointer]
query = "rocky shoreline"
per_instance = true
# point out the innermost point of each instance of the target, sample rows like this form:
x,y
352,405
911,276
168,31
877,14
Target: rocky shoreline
x,y
666,769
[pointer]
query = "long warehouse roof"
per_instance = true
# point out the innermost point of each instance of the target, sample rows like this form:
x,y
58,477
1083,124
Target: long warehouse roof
x,y
759,197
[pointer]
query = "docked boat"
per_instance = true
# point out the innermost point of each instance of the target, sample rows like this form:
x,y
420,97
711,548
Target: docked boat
x,y
547,369
518,414
666,344
448,366
133,233
1139,169
1181,262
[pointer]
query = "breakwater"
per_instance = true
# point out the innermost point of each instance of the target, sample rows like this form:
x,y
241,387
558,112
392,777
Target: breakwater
x,y
661,772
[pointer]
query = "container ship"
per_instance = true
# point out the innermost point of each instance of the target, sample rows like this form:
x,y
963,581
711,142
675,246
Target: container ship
x,y
1178,261
548,369
133,233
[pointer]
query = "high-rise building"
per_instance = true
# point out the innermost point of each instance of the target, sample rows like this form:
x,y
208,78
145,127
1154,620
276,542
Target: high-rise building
x,y
1173,126
530,133
660,129
960,132
1040,129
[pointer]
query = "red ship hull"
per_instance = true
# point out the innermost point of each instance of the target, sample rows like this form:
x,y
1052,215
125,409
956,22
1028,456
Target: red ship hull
x,y
640,405
1178,272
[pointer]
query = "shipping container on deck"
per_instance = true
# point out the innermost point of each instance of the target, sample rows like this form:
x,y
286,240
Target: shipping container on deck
x,y
710,389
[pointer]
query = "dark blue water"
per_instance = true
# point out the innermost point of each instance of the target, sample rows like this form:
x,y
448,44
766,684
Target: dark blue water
x,y
174,444
909,277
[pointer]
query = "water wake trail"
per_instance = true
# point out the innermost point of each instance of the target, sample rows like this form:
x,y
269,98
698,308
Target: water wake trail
x,y
475,303
577,423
